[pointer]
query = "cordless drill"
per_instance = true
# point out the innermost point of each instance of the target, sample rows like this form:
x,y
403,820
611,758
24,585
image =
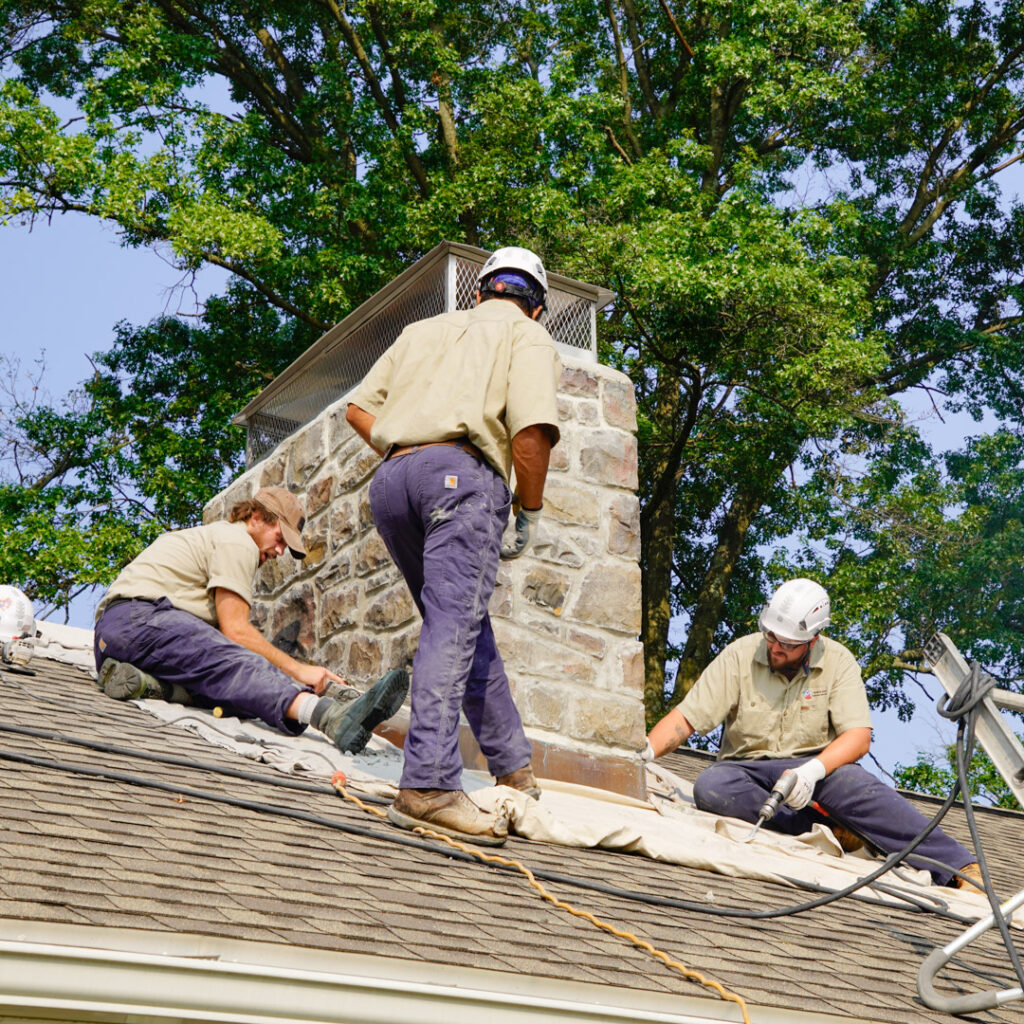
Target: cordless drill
x,y
774,800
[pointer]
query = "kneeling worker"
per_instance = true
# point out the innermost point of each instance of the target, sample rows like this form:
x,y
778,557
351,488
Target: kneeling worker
x,y
793,699
176,622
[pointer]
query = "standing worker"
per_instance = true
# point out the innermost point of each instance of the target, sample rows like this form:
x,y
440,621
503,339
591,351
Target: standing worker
x,y
456,402
175,624
793,700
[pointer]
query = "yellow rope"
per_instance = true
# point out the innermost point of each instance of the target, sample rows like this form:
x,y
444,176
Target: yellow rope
x,y
494,858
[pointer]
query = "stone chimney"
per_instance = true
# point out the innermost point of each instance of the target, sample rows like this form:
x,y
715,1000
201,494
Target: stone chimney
x,y
566,615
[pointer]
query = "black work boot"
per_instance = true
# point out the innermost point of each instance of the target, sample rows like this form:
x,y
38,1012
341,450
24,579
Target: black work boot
x,y
350,724
123,681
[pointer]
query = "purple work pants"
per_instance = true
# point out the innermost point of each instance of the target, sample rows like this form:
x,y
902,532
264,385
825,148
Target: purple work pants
x,y
856,798
441,512
177,647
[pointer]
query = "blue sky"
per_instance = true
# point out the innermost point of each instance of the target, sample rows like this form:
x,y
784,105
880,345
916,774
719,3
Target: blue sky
x,y
66,283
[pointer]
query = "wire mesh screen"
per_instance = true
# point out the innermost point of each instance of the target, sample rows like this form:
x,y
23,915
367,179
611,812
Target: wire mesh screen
x,y
343,356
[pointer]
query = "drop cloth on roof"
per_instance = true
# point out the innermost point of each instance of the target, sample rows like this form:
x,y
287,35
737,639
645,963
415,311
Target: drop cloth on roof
x,y
667,828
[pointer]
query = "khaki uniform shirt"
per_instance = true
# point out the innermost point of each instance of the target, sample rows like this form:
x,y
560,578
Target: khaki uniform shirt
x,y
768,715
484,373
187,566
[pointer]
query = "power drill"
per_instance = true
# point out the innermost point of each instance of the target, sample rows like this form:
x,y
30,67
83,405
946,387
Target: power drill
x,y
781,790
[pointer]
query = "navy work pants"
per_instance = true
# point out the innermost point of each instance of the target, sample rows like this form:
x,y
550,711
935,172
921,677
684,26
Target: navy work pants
x,y
856,798
441,512
177,647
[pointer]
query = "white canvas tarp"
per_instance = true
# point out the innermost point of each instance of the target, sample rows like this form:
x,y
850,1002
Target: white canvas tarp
x,y
667,827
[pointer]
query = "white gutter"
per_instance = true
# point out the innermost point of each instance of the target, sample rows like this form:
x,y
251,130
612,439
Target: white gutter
x,y
212,981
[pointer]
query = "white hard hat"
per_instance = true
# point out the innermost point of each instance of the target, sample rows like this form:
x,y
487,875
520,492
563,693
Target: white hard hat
x,y
514,258
798,610
16,616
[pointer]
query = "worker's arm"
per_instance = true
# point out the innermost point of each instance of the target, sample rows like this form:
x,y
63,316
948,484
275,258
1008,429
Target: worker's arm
x,y
233,622
671,732
531,451
846,748
362,423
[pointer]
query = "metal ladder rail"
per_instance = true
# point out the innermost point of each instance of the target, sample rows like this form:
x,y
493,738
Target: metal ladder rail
x,y
1005,751
992,730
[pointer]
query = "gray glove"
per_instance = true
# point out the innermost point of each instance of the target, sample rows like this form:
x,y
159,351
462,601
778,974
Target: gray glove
x,y
524,518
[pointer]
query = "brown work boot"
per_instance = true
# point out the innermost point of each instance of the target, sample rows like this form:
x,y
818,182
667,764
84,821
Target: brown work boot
x,y
522,779
849,841
448,811
973,880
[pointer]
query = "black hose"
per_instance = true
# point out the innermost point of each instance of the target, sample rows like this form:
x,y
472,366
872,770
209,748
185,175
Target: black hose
x,y
392,836
182,762
963,706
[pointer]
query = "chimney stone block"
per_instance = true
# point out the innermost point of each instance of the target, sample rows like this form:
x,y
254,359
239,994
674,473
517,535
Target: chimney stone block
x,y
571,504
365,660
618,403
307,454
609,457
274,471
609,597
391,609
578,381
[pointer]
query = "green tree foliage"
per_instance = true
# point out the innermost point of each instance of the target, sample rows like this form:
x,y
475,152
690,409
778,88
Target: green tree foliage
x,y
931,774
799,205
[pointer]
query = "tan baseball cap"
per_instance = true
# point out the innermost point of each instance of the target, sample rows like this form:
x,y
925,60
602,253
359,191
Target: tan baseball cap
x,y
290,514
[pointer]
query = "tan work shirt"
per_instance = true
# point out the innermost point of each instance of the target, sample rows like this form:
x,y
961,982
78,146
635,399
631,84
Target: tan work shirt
x,y
187,566
768,715
483,373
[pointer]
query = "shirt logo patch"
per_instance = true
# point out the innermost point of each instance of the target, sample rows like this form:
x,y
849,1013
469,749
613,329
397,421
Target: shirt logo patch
x,y
807,695
451,482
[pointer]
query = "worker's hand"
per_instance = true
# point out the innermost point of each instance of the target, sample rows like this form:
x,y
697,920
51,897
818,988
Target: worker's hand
x,y
526,526
316,676
647,754
808,775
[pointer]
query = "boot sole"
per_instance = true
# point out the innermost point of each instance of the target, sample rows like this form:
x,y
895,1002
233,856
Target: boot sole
x,y
405,821
120,680
375,706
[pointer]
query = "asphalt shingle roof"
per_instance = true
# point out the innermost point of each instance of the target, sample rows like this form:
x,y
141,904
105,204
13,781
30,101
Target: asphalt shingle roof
x,y
77,849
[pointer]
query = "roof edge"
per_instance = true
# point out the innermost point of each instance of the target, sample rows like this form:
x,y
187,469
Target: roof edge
x,y
160,977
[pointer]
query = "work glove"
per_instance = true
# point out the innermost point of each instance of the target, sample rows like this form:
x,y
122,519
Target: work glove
x,y
526,518
808,775
647,754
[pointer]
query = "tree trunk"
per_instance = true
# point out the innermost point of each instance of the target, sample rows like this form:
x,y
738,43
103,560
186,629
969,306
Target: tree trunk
x,y
708,610
750,496
657,541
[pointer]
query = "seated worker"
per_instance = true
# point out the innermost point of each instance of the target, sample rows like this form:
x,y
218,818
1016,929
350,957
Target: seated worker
x,y
175,622
793,699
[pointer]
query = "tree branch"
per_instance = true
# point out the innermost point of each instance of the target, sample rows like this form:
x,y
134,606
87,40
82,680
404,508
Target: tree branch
x,y
412,160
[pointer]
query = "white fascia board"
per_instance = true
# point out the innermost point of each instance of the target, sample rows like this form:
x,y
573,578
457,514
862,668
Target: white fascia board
x,y
104,974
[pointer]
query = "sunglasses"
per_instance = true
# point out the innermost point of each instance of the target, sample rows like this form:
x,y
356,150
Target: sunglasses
x,y
786,645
